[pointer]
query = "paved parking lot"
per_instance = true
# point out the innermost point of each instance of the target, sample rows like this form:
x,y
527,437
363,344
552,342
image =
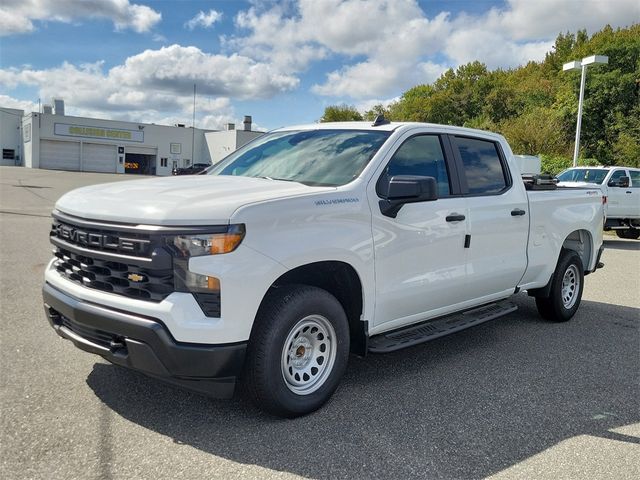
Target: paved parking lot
x,y
514,398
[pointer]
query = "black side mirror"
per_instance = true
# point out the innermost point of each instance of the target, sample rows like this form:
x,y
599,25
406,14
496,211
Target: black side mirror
x,y
407,189
623,182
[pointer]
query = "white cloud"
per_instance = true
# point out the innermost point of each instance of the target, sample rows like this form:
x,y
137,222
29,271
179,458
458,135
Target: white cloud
x,y
390,45
155,83
204,20
17,16
9,102
544,19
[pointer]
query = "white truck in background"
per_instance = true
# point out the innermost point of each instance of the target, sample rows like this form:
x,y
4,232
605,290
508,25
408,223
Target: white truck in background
x,y
621,187
307,244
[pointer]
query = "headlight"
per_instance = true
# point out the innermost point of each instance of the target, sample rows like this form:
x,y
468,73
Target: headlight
x,y
205,289
209,243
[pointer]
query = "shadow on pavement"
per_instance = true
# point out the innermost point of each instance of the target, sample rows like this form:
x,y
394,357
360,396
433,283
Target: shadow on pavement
x,y
464,406
620,244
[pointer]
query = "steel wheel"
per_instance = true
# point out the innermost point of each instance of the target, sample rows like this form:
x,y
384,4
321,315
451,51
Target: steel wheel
x,y
308,354
570,286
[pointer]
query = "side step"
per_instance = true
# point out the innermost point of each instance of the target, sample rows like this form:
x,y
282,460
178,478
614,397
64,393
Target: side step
x,y
439,327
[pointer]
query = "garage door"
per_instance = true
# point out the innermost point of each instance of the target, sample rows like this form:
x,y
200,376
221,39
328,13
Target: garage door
x,y
99,158
59,155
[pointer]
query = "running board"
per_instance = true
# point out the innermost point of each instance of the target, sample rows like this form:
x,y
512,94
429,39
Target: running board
x,y
439,327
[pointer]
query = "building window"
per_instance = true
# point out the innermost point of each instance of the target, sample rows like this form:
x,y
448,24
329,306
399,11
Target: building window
x,y
8,154
163,162
175,148
187,162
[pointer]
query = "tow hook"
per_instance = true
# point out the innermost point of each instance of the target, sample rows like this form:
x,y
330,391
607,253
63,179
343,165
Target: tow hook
x,y
116,345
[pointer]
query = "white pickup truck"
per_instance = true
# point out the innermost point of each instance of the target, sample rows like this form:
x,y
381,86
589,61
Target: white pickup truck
x,y
307,244
621,187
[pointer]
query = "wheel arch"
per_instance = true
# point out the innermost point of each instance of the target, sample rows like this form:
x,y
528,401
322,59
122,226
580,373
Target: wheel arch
x,y
579,241
342,281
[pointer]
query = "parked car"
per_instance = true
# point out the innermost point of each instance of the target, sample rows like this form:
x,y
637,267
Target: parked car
x,y
191,170
621,186
308,244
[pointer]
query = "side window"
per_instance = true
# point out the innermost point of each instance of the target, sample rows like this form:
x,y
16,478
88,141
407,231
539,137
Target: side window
x,y
483,168
615,177
421,155
635,178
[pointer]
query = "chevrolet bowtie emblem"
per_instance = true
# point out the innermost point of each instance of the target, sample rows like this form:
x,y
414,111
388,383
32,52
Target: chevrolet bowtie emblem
x,y
136,277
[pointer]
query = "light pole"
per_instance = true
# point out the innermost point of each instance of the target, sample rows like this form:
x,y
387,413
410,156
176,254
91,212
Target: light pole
x,y
582,65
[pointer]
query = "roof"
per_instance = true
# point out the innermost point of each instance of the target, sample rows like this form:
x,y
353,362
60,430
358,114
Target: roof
x,y
391,126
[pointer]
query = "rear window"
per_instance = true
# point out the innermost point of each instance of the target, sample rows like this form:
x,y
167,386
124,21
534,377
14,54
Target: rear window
x,y
483,168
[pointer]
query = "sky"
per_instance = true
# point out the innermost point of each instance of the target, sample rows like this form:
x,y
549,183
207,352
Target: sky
x,y
282,61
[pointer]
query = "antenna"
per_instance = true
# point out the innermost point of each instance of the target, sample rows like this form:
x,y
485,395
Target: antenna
x,y
380,120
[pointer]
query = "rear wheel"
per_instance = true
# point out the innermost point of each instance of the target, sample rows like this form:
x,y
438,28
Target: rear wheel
x,y
632,233
566,289
298,350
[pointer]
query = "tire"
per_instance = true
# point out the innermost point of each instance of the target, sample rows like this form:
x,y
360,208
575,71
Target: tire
x,y
630,234
298,351
566,289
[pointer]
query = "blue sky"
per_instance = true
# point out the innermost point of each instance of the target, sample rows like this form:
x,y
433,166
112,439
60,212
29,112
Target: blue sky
x,y
281,62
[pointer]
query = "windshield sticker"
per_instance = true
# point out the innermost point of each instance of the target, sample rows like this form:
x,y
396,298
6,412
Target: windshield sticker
x,y
337,201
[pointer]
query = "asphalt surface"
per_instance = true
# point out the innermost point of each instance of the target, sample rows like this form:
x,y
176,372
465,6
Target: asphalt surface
x,y
515,398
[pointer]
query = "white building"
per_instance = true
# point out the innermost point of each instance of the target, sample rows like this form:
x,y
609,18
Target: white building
x,y
10,136
224,142
53,140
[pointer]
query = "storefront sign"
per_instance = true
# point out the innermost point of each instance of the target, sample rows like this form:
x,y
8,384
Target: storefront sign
x,y
98,132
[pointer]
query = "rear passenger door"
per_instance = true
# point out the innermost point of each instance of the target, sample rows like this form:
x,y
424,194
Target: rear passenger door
x,y
635,193
498,218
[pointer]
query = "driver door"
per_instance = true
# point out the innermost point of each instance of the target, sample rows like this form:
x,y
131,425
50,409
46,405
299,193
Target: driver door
x,y
420,255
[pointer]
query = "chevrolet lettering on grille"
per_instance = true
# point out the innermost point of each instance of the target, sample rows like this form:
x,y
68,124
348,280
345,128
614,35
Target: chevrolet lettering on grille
x,y
98,240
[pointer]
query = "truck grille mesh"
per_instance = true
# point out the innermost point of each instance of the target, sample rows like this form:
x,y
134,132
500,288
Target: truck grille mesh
x,y
114,277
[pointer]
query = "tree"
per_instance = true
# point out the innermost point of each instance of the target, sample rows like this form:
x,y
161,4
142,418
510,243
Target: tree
x,y
341,113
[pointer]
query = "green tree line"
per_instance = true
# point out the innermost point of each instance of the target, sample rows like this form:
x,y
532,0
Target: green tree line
x,y
535,106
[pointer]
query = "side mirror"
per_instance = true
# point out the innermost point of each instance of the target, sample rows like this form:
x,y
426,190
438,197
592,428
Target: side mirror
x,y
623,182
407,189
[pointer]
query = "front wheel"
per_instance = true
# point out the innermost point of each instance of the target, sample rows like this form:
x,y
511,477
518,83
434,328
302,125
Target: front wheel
x,y
566,289
298,350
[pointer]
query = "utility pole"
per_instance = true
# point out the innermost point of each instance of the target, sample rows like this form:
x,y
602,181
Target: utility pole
x,y
193,127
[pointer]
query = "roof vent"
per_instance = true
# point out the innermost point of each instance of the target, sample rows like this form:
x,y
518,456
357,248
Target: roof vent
x,y
48,109
58,106
231,126
380,120
247,123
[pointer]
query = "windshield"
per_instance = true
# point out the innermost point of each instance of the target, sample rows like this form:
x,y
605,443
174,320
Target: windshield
x,y
586,175
311,157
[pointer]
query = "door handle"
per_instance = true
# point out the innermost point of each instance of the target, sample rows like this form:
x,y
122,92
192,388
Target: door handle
x,y
517,212
455,217
628,191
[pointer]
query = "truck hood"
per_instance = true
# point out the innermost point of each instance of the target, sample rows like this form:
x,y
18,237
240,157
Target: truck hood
x,y
188,200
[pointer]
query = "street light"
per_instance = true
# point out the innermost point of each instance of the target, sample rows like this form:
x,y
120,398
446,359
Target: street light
x,y
582,65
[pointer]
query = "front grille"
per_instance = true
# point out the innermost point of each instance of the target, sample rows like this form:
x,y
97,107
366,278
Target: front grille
x,y
118,259
103,239
114,277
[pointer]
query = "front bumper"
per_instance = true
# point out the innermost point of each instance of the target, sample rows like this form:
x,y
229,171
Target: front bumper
x,y
144,344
